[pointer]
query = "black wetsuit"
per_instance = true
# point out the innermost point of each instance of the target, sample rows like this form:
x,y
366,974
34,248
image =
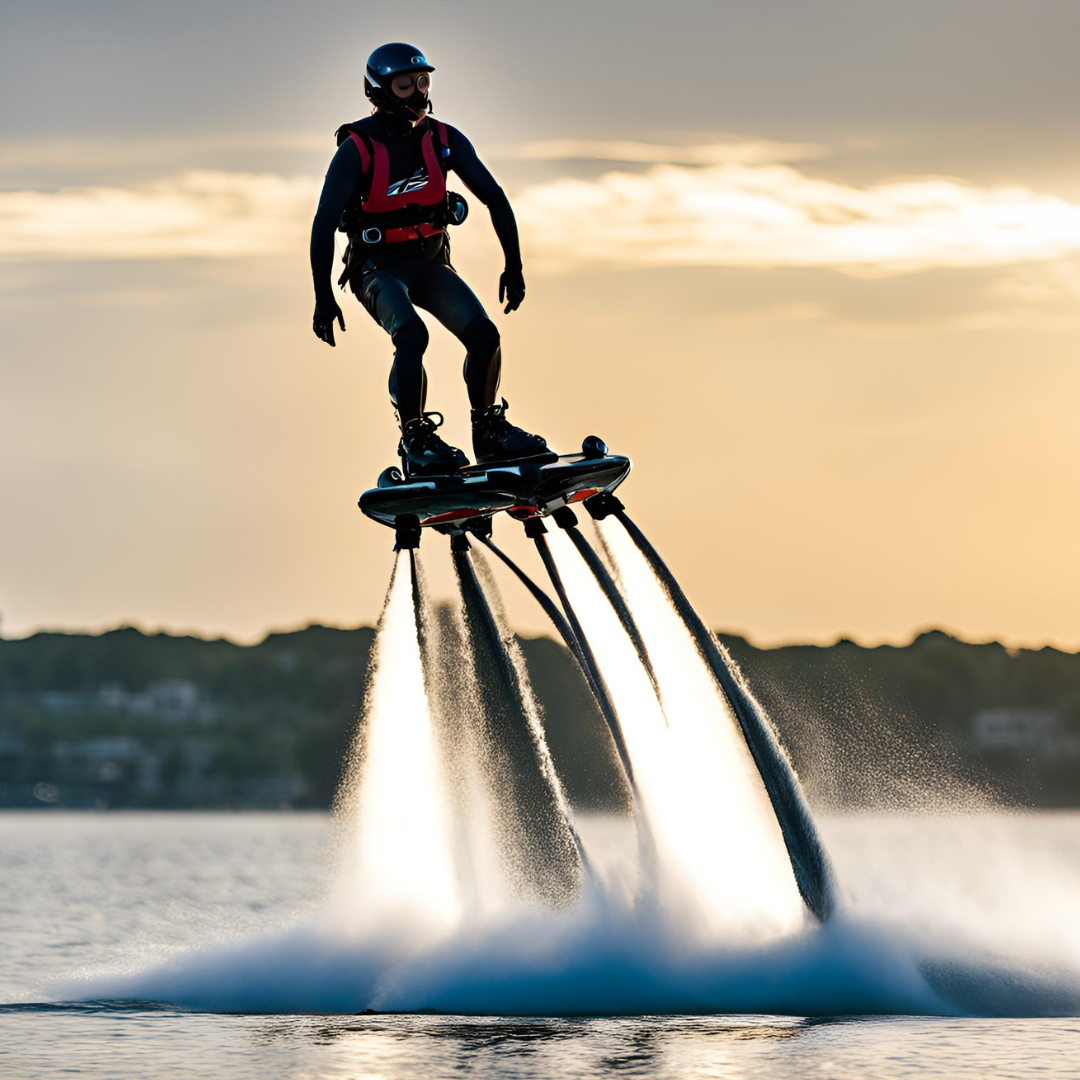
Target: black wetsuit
x,y
390,278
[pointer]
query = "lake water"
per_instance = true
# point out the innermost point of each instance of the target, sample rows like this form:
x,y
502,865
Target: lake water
x,y
988,905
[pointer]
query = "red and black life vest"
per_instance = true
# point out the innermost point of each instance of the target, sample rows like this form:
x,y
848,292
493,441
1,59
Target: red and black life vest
x,y
406,215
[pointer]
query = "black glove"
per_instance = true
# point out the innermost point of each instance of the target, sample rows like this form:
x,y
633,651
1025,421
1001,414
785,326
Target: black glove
x,y
511,289
323,322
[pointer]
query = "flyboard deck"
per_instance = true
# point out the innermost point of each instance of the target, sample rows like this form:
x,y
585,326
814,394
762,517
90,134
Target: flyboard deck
x,y
466,499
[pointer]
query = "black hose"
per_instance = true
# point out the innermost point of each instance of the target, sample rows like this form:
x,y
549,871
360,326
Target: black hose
x,y
541,812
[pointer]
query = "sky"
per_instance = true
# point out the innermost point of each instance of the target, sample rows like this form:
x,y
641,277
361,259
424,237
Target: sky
x,y
815,266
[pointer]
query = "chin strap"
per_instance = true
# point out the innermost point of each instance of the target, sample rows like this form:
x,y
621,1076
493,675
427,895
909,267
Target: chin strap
x,y
381,104
420,116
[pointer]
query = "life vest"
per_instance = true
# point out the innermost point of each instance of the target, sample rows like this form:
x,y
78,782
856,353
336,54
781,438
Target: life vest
x,y
382,216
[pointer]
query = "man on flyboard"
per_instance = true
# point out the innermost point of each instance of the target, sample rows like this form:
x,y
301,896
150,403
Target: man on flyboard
x,y
386,188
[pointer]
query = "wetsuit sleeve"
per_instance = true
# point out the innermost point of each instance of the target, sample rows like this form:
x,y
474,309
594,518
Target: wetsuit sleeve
x,y
483,185
344,174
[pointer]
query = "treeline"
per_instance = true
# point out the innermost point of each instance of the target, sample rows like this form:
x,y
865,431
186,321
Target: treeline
x,y
127,719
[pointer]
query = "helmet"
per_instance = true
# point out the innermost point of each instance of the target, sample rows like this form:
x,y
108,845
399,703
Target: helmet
x,y
383,65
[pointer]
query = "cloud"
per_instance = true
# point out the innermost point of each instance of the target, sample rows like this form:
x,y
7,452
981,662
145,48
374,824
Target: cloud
x,y
47,154
732,207
766,216
196,214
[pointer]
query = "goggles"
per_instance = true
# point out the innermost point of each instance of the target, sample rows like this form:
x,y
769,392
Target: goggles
x,y
403,86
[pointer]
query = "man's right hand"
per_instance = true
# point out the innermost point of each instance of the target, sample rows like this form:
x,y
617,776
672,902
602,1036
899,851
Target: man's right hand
x,y
323,321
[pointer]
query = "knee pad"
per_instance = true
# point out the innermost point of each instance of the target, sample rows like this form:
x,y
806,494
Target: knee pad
x,y
481,337
411,338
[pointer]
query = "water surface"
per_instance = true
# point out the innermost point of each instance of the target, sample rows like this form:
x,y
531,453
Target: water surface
x,y
85,895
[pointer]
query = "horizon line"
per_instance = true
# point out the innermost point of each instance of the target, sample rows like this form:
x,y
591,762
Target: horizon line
x,y
1010,645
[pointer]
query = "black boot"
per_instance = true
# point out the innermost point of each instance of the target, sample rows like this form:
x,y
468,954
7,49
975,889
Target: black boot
x,y
495,439
423,453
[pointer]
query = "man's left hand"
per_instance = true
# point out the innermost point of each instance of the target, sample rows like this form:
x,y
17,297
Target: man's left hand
x,y
511,289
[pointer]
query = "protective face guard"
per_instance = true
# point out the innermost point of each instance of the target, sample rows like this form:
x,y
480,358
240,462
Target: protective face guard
x,y
408,92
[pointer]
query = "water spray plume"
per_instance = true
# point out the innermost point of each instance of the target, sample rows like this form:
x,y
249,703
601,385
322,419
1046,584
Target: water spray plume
x,y
813,873
397,873
721,866
618,604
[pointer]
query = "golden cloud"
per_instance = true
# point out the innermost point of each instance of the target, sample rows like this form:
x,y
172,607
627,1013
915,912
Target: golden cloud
x,y
48,154
726,205
197,214
777,216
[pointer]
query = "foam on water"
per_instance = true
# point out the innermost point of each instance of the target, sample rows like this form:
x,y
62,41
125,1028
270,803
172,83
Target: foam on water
x,y
881,957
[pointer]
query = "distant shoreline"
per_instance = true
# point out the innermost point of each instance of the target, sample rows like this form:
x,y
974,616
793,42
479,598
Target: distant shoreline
x,y
130,720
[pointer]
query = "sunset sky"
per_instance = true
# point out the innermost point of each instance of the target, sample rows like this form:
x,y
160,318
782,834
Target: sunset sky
x,y
814,265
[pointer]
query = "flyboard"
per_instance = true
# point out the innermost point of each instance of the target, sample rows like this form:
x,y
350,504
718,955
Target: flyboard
x,y
465,503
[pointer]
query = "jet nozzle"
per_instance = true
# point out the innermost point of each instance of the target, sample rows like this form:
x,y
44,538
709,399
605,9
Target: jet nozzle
x,y
406,532
603,505
564,517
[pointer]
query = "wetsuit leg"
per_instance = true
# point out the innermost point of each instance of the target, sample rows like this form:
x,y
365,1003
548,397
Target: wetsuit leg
x,y
442,292
386,297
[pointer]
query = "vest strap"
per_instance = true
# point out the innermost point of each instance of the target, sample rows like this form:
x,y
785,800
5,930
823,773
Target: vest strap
x,y
365,157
